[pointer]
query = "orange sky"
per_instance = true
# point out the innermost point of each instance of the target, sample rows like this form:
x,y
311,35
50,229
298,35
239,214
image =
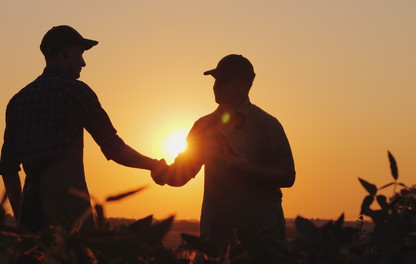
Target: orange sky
x,y
339,75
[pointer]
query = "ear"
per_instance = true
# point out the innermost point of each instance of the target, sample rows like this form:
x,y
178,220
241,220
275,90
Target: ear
x,y
246,85
66,51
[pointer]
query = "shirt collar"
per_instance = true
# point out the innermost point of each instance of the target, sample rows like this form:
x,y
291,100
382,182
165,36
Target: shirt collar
x,y
238,117
243,108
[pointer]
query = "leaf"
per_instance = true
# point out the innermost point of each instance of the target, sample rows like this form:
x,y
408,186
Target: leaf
x,y
158,231
402,184
365,206
100,220
255,245
385,186
80,221
141,224
100,211
382,201
123,195
393,166
340,221
200,244
82,194
307,231
371,188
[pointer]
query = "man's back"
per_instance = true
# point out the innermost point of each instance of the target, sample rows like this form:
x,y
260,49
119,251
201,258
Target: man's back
x,y
41,119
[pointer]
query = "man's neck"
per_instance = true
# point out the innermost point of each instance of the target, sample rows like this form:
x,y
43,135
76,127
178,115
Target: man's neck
x,y
232,108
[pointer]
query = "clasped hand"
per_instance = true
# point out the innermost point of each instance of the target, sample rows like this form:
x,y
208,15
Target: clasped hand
x,y
158,172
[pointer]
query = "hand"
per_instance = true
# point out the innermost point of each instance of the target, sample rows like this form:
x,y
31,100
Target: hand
x,y
158,171
236,161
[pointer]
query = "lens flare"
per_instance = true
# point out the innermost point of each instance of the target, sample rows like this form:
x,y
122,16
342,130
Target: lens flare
x,y
225,117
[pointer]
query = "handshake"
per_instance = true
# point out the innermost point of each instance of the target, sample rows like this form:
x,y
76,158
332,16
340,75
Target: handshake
x,y
158,172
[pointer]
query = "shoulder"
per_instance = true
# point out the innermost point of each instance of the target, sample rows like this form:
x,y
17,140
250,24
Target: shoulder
x,y
201,124
204,119
77,90
83,87
264,117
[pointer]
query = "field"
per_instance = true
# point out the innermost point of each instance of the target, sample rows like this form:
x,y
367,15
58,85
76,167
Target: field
x,y
173,237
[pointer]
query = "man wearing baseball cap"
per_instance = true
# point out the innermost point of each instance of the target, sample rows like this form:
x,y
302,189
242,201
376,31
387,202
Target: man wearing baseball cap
x,y
44,132
247,160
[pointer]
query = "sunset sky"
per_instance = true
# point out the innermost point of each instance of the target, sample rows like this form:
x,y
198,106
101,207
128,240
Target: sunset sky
x,y
339,75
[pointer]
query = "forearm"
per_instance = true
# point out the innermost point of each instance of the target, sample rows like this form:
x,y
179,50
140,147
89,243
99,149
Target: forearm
x,y
178,174
131,158
269,176
14,191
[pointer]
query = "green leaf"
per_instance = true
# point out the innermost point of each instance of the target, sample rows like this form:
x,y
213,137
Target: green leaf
x,y
123,195
307,231
393,166
371,188
382,201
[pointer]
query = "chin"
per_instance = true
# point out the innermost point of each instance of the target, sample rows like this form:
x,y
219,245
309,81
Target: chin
x,y
219,100
76,76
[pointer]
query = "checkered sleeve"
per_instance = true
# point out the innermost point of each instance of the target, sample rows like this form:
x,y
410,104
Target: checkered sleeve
x,y
87,109
9,162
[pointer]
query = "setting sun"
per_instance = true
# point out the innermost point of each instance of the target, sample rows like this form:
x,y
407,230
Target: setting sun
x,y
173,142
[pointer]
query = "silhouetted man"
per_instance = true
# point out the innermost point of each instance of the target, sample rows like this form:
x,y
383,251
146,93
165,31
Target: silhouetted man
x,y
247,160
44,132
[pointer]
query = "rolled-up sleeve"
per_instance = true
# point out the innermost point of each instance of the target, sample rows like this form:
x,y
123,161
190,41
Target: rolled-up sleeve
x,y
88,110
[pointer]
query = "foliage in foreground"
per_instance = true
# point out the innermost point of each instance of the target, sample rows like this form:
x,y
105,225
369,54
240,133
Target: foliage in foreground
x,y
393,239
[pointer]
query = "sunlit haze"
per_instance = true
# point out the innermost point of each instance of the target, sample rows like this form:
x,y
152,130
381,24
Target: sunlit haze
x,y
338,75
173,142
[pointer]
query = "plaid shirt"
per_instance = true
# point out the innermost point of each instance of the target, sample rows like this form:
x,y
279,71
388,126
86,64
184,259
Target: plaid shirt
x,y
44,118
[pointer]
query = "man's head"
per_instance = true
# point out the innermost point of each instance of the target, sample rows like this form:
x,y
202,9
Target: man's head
x,y
63,46
234,77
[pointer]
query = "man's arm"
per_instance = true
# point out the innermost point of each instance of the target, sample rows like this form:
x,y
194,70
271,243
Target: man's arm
x,y
93,117
14,191
129,157
187,164
280,176
179,173
10,165
278,169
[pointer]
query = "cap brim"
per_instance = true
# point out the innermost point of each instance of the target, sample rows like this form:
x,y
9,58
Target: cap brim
x,y
217,74
88,43
210,72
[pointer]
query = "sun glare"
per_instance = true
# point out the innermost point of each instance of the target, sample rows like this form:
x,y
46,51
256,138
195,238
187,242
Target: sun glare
x,y
173,143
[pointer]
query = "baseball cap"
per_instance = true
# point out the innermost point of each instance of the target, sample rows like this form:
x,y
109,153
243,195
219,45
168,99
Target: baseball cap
x,y
233,66
59,36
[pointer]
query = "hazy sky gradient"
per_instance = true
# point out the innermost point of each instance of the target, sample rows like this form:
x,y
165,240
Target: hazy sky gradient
x,y
339,75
